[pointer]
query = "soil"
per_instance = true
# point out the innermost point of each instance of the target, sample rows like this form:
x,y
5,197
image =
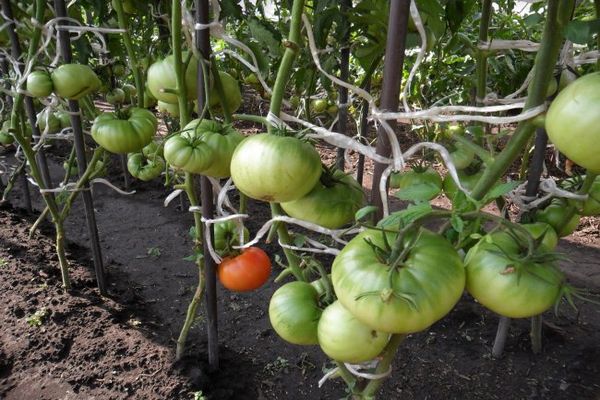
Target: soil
x,y
83,346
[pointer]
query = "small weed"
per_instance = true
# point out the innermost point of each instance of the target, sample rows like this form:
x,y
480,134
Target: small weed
x,y
37,319
199,395
3,263
153,252
280,365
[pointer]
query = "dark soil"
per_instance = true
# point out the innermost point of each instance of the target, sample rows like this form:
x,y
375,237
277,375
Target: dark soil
x,y
122,346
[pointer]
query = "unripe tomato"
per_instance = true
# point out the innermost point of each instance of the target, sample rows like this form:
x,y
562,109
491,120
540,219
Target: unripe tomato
x,y
115,96
573,122
73,81
553,215
39,84
344,338
318,105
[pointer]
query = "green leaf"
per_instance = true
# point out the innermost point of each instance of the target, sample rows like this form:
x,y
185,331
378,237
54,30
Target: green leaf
x,y
406,216
457,223
299,240
363,212
418,192
231,9
265,37
499,190
581,32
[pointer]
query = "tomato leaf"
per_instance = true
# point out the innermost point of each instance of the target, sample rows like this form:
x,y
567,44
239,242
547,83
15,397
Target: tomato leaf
x,y
419,192
499,190
363,212
406,216
581,32
457,223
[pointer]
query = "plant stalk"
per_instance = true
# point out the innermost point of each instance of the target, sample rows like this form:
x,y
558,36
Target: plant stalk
x,y
137,75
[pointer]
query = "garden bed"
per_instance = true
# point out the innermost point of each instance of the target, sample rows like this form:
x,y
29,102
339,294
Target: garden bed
x,y
123,346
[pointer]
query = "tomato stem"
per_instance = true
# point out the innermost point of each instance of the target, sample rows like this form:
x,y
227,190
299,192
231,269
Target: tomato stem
x,y
558,15
137,75
388,354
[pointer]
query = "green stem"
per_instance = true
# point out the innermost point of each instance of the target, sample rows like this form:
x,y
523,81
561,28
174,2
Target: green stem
x,y
137,75
478,150
191,313
558,15
251,118
384,365
597,6
91,168
292,45
180,87
29,153
220,91
482,55
284,237
347,376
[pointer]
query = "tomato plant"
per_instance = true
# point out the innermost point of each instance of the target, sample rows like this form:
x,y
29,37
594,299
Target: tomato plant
x,y
403,298
294,312
573,123
501,278
332,203
275,168
246,271
145,168
125,131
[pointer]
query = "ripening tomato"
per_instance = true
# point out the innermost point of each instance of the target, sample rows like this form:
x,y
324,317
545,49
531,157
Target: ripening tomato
x,y
245,272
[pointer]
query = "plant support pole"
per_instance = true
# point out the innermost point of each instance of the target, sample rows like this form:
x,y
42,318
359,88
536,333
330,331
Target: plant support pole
x,y
342,124
392,76
65,52
206,192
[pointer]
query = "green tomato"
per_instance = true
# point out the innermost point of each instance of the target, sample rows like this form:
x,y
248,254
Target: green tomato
x,y
332,203
462,156
227,235
153,149
119,69
553,215
168,108
275,168
499,280
73,81
64,118
251,79
426,181
39,84
130,93
544,233
294,312
332,110
455,129
115,96
218,141
161,75
149,100
421,290
124,132
591,206
318,105
144,168
344,338
187,152
573,122
6,138
231,90
47,118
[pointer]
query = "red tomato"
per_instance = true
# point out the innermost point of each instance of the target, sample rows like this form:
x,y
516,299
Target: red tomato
x,y
247,271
